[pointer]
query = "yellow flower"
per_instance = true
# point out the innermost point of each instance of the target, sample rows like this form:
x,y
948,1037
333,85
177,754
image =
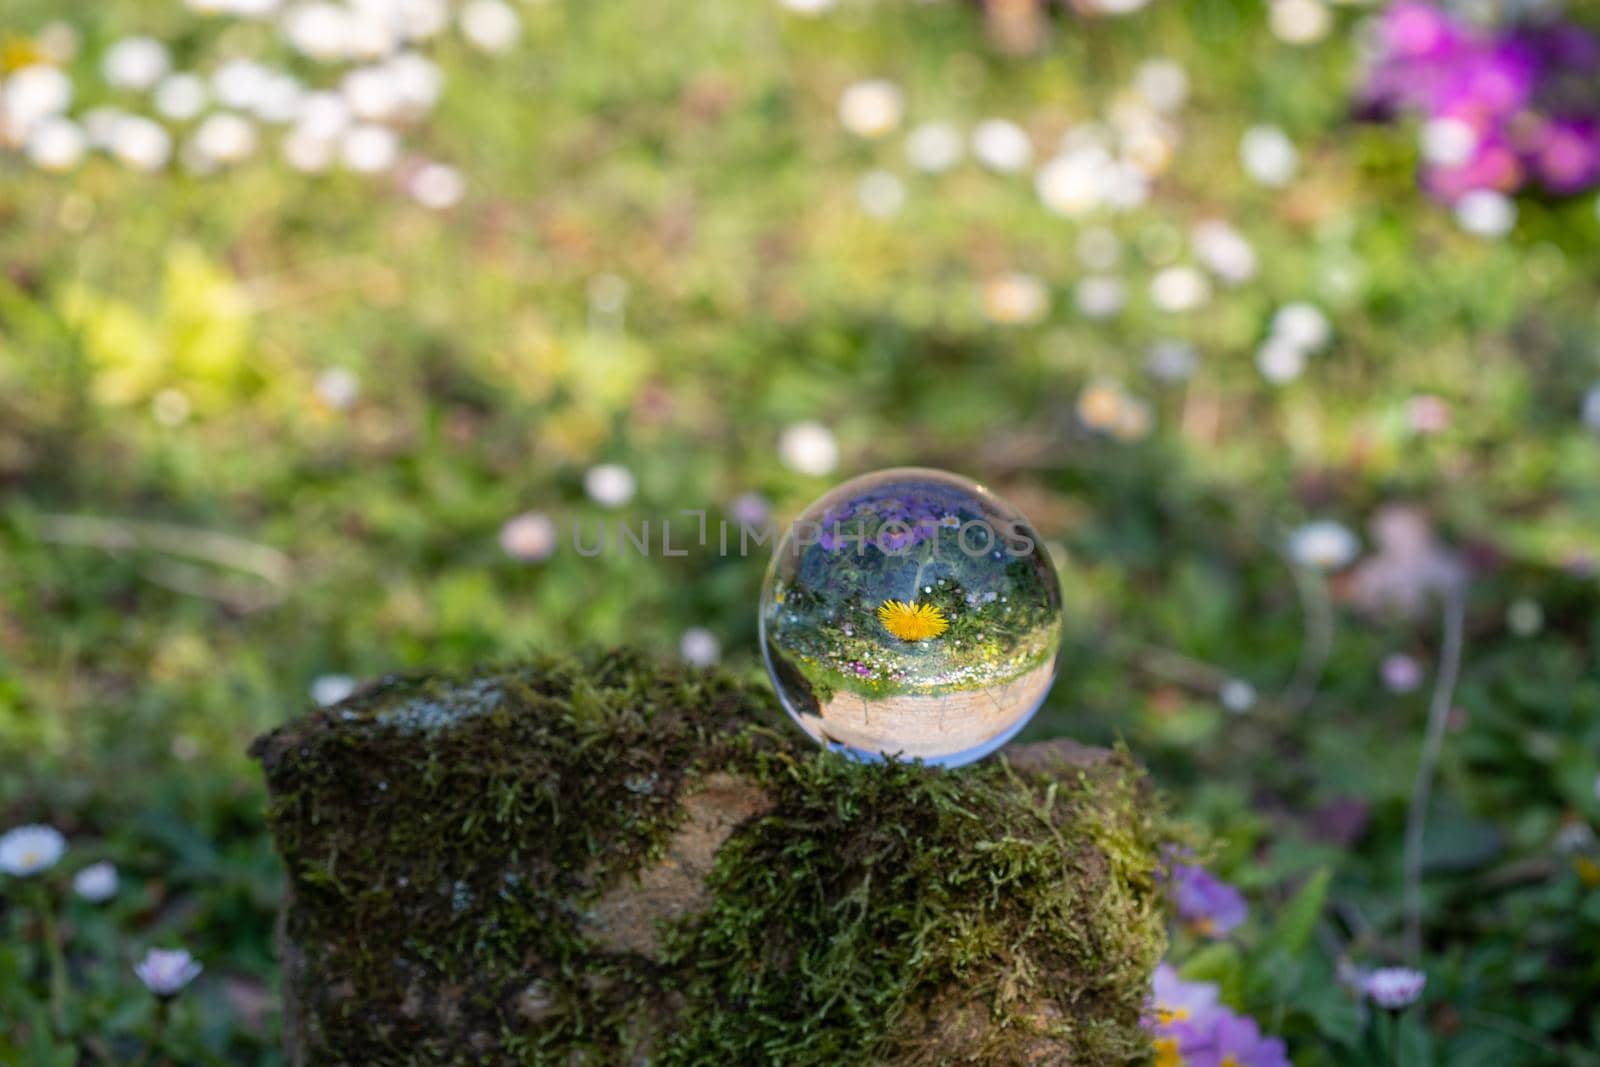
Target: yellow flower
x,y
911,622
1167,1054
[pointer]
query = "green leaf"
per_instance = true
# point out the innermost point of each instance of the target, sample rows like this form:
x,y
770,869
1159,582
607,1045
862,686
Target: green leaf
x,y
1220,963
1291,933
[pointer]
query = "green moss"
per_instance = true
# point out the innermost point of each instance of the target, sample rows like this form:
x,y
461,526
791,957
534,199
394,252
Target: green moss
x,y
444,837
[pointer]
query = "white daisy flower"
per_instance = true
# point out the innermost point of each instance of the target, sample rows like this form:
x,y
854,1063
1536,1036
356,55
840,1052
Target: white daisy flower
x,y
1394,988
1486,213
490,25
1269,157
529,537
436,185
239,83
416,81
1302,325
323,114
260,10
1100,296
1075,182
135,63
166,971
1324,545
611,485
338,387
1179,288
699,646
306,152
881,194
141,143
224,139
934,147
330,689
1001,145
28,850
96,882
1590,410
1237,695
1224,251
1279,361
371,92
1448,141
1299,22
180,96
370,34
1524,617
421,20
56,144
32,94
278,102
367,148
871,108
1162,84
319,31
809,448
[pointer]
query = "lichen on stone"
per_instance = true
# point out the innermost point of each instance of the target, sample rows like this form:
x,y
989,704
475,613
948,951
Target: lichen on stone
x,y
479,876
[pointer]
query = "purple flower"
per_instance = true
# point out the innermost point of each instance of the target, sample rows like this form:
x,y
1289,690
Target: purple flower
x,y
1564,48
1566,155
1233,1041
1213,907
1526,94
1401,673
1487,81
1173,1044
1174,1001
1394,988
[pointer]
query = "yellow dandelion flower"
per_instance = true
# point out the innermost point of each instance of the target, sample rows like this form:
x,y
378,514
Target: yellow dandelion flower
x,y
911,622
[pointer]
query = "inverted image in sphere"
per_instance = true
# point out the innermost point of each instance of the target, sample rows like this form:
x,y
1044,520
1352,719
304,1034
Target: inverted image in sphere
x,y
911,613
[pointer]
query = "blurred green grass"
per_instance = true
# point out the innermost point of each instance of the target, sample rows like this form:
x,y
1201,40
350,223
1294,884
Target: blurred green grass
x,y
693,152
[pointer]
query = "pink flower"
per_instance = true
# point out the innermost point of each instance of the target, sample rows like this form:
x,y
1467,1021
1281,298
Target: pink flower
x,y
1414,30
1566,155
1493,165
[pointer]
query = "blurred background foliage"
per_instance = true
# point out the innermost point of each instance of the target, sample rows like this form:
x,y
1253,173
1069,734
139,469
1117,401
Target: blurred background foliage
x,y
662,260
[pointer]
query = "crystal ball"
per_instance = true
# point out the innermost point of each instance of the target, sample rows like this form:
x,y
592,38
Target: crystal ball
x,y
913,614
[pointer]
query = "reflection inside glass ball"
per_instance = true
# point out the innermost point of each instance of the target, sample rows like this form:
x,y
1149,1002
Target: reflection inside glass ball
x,y
911,613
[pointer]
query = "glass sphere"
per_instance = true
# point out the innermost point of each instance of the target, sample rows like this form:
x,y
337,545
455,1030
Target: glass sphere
x,y
911,613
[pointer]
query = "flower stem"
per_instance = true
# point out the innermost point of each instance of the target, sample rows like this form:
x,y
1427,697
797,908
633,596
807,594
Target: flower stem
x,y
1317,607
158,1032
1444,686
56,958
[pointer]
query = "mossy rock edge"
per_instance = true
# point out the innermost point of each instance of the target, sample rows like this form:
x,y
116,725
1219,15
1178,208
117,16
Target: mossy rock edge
x,y
603,859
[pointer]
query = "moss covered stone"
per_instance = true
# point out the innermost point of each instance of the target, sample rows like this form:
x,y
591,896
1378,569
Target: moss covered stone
x,y
602,859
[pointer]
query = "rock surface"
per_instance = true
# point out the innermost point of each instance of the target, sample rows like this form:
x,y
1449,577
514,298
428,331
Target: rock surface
x,y
607,860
